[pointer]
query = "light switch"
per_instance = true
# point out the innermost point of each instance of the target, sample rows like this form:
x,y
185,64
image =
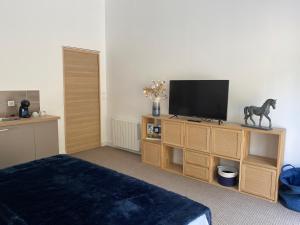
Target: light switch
x,y
10,103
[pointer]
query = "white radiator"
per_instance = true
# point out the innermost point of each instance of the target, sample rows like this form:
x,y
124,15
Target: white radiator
x,y
125,135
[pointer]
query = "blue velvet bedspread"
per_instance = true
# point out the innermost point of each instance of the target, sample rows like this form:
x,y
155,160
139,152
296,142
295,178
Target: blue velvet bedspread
x,y
63,190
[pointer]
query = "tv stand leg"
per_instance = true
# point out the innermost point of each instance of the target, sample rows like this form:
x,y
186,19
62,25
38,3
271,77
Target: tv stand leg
x,y
173,116
220,122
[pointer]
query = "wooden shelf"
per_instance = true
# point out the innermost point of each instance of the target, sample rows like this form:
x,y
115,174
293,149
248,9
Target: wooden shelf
x,y
274,131
261,161
175,168
234,188
226,125
158,141
31,120
225,157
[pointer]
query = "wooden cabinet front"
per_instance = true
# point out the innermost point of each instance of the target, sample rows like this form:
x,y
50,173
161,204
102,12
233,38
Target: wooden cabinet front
x,y
196,158
258,181
151,153
173,132
197,137
226,142
197,172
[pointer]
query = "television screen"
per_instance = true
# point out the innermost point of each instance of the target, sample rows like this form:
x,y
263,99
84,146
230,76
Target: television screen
x,y
199,98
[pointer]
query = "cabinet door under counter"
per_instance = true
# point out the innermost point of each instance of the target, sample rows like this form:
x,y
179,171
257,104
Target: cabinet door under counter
x,y
46,139
28,139
16,145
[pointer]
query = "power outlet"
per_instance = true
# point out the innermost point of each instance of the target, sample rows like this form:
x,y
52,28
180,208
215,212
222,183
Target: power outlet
x,y
10,103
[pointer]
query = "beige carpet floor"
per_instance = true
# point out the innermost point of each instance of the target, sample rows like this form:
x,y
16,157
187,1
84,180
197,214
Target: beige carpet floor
x,y
228,207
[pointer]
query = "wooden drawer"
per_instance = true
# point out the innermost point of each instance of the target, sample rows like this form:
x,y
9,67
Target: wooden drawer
x,y
173,132
197,137
196,158
196,171
151,153
258,181
226,142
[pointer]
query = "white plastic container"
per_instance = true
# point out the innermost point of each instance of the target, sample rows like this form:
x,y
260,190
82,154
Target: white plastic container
x,y
227,175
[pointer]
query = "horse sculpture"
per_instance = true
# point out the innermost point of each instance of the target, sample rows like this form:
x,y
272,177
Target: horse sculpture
x,y
264,110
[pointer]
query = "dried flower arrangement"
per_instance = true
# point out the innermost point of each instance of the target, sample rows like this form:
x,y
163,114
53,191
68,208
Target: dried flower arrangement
x,y
156,91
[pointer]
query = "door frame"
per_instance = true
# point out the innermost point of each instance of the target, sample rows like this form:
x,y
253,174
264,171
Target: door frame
x,y
75,49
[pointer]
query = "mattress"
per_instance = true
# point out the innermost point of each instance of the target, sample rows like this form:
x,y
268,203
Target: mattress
x,y
64,190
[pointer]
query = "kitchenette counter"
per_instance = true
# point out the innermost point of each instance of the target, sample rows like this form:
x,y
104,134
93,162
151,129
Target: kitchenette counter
x,y
30,120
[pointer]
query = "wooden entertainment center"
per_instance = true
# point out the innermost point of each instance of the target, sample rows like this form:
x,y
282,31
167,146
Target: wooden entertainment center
x,y
205,145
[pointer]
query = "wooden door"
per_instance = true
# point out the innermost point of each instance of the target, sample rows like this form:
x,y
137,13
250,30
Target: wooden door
x,y
151,153
258,181
172,132
226,142
197,137
82,101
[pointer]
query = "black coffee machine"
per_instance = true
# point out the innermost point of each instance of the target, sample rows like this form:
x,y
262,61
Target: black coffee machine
x,y
24,109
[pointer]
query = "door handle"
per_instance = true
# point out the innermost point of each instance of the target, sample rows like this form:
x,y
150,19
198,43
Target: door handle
x,y
3,130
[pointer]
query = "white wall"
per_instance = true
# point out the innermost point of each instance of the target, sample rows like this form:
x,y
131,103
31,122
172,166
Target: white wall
x,y
32,34
255,44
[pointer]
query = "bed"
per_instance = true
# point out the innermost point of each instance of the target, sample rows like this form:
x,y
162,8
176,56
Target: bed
x,y
63,190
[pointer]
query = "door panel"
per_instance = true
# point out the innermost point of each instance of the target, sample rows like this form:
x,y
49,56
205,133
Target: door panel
x,y
258,181
226,142
196,171
82,101
46,139
173,133
197,137
151,153
196,158
16,145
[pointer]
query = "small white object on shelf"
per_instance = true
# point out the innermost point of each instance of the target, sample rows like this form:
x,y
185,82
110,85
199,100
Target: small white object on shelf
x,y
35,114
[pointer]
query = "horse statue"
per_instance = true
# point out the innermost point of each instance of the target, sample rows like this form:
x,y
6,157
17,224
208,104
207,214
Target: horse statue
x,y
264,110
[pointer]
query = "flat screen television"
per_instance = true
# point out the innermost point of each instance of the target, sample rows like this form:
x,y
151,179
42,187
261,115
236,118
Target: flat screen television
x,y
199,98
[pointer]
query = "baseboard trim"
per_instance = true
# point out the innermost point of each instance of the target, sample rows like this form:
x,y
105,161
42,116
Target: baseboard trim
x,y
109,144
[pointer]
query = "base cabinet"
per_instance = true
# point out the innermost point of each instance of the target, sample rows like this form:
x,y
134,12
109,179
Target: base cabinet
x,y
258,181
24,143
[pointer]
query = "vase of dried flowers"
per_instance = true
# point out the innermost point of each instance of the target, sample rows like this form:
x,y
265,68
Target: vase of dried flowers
x,y
156,92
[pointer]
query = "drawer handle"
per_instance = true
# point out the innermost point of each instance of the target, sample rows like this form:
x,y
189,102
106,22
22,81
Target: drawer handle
x,y
3,130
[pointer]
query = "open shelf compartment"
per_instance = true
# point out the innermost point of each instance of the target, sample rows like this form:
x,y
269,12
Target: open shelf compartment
x,y
172,159
151,129
261,161
262,148
220,161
